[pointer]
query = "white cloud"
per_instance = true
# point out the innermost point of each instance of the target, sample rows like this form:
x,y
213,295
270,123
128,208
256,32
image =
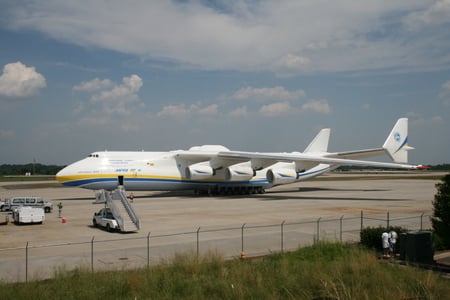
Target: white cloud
x,y
267,94
437,120
290,65
418,119
6,133
275,109
93,85
287,37
445,93
239,112
318,106
128,89
366,106
19,81
436,14
110,104
183,110
212,109
446,86
114,99
176,111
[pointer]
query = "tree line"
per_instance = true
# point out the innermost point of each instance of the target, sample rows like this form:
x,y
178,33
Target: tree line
x,y
31,168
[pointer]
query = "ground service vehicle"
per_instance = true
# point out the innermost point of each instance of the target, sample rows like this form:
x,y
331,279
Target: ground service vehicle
x,y
105,218
15,202
28,215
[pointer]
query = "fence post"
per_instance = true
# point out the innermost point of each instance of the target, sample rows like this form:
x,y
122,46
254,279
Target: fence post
x,y
242,239
421,220
92,253
198,242
26,263
282,236
318,229
362,221
148,249
340,227
387,220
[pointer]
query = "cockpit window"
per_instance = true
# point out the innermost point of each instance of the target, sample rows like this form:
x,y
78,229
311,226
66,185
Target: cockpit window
x,y
93,155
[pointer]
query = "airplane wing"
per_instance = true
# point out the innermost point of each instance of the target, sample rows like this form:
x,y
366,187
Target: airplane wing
x,y
260,160
359,153
299,157
216,156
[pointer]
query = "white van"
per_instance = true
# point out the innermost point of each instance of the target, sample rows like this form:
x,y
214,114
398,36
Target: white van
x,y
14,202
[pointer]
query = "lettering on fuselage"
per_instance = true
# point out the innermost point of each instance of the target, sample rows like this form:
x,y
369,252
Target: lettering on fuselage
x,y
123,170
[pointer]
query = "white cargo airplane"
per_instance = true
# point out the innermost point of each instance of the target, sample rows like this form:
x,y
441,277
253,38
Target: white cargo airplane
x,y
216,169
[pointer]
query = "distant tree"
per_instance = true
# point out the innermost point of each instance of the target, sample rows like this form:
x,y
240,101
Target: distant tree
x,y
442,167
34,169
441,213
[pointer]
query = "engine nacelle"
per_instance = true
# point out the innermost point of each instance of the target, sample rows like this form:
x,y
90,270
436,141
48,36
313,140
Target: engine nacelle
x,y
239,173
199,172
281,176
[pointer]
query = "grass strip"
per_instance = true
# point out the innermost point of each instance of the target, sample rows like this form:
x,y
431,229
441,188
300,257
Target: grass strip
x,y
325,270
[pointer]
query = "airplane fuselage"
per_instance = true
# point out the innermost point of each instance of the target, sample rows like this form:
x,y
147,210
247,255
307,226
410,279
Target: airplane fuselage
x,y
142,171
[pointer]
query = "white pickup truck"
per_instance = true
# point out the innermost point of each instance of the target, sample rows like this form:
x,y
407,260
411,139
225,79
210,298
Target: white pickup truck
x,y
105,218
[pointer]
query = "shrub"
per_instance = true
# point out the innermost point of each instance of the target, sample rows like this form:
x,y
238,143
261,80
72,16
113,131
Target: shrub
x,y
441,214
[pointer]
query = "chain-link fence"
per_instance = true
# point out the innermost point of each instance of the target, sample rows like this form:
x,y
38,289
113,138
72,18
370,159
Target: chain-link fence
x,y
33,261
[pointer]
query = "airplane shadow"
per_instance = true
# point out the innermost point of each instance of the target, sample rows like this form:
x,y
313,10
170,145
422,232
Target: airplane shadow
x,y
283,195
271,195
286,198
112,231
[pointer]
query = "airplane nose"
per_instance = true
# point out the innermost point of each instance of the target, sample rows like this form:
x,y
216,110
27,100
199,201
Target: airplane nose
x,y
62,174
58,175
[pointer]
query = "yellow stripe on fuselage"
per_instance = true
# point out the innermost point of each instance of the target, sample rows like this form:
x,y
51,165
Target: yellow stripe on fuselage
x,y
79,177
69,178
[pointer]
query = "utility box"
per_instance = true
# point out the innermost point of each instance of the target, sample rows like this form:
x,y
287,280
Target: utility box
x,y
417,247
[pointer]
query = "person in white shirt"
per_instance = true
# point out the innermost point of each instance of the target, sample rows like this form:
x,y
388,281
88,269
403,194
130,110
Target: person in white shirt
x,y
392,241
385,244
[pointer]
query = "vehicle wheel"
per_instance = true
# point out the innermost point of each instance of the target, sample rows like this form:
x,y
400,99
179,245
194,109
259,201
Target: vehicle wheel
x,y
108,227
47,209
94,222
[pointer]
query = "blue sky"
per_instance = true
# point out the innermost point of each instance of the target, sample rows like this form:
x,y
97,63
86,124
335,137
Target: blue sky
x,y
80,76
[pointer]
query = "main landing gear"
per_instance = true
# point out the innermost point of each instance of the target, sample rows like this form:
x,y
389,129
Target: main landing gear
x,y
231,190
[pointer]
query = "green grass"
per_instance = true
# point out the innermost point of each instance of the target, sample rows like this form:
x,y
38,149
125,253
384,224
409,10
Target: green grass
x,y
325,270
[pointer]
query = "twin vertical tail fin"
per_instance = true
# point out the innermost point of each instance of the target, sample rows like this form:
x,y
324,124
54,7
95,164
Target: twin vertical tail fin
x,y
320,143
396,143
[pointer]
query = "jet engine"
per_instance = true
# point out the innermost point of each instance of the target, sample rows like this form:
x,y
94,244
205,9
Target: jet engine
x,y
239,173
281,176
199,171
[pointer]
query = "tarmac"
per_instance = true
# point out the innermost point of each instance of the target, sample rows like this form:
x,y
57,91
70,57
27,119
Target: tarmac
x,y
337,197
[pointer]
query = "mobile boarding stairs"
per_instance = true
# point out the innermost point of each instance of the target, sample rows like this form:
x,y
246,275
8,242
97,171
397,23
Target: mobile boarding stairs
x,y
121,208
